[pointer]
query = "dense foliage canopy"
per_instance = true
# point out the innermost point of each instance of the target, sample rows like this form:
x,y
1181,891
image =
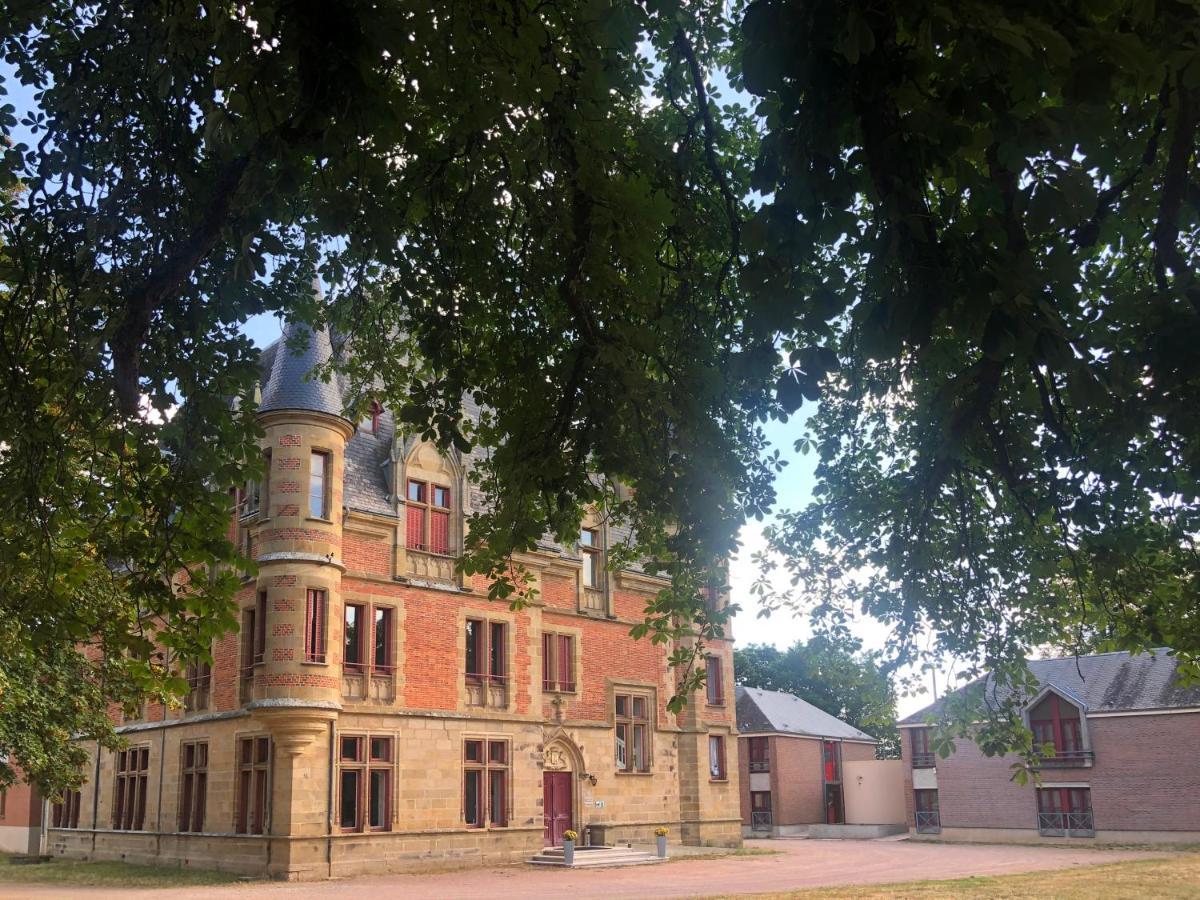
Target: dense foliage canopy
x,y
981,232
834,675
972,233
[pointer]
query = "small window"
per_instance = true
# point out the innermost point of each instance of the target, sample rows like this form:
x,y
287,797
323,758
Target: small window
x,y
485,650
355,637
558,662
632,733
1065,812
199,679
760,755
365,783
714,680
318,485
193,786
65,813
926,817
383,640
314,627
716,757
260,633
254,754
921,757
589,548
485,785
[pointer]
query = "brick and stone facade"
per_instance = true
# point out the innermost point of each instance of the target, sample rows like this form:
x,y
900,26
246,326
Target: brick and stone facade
x,y
1134,773
415,704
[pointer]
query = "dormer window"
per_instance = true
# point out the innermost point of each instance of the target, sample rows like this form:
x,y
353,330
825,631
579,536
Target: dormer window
x,y
589,549
1057,723
428,517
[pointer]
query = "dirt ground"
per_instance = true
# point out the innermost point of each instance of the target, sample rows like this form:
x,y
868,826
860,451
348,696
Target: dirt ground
x,y
798,864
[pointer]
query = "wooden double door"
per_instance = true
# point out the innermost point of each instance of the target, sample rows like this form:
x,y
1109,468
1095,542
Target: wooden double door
x,y
557,805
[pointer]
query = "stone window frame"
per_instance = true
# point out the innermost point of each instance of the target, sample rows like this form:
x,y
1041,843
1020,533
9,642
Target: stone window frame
x,y
193,786
65,813
631,722
326,453
427,507
714,662
368,637
556,633
316,626
365,764
131,784
719,772
599,554
199,677
259,772
488,617
487,766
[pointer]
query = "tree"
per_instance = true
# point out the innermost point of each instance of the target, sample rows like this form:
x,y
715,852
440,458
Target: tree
x,y
535,204
833,675
982,220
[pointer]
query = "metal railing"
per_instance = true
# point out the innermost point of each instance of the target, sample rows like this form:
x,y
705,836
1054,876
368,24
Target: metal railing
x,y
1076,824
760,765
928,821
1068,758
760,819
924,760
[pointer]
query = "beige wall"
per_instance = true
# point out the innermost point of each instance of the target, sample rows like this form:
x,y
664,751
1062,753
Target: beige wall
x,y
874,792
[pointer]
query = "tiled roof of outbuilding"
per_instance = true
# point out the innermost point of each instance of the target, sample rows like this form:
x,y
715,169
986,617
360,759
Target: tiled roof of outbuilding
x,y
774,711
1104,682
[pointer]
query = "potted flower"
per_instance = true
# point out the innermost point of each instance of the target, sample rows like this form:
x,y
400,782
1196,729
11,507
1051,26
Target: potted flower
x,y
660,834
570,836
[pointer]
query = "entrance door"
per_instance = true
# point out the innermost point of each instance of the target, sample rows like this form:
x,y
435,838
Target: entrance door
x,y
833,804
557,800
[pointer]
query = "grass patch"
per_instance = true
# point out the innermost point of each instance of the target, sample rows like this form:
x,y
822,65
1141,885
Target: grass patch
x,y
1173,878
108,874
718,853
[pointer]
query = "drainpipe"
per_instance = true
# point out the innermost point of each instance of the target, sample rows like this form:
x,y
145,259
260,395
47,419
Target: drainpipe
x,y
162,761
95,798
329,805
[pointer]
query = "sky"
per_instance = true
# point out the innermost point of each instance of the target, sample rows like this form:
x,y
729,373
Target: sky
x,y
794,484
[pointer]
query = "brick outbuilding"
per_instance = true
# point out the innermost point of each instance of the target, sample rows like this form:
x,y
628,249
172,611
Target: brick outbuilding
x,y
792,757
1122,767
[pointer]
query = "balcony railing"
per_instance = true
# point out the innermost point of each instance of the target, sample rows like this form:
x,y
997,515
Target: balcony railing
x,y
1076,824
924,760
760,819
1069,759
760,765
928,821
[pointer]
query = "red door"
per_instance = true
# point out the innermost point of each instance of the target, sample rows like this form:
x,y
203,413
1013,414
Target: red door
x,y
556,789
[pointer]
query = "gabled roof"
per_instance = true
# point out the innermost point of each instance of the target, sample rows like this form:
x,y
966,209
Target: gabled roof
x,y
1102,682
774,711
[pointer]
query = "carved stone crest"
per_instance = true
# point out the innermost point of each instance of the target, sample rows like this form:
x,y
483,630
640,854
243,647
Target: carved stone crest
x,y
554,758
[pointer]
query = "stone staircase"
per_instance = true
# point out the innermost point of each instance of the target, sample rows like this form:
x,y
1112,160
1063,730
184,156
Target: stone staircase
x,y
596,857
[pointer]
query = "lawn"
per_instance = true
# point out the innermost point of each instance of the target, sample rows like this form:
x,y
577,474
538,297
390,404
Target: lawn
x,y
1172,878
108,874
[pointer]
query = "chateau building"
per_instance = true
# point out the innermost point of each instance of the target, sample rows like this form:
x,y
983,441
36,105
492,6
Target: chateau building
x,y
1123,766
375,712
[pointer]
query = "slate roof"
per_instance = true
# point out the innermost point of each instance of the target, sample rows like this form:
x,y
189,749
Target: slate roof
x,y
290,384
759,710
1102,682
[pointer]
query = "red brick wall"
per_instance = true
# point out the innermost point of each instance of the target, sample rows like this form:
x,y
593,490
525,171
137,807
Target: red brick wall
x,y
361,553
1145,766
559,592
22,806
797,790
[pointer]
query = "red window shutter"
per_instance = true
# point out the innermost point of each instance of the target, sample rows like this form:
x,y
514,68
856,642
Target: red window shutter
x,y
439,531
416,528
548,662
566,663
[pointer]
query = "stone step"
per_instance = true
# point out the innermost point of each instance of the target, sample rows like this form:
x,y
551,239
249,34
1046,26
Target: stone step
x,y
595,856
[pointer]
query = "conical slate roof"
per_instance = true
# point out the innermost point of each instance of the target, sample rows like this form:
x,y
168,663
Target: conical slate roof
x,y
291,384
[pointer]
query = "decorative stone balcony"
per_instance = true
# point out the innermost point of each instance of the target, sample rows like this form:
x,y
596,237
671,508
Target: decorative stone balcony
x,y
361,686
487,690
433,567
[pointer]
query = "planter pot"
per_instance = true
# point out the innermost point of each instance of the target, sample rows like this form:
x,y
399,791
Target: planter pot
x,y
569,853
662,846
